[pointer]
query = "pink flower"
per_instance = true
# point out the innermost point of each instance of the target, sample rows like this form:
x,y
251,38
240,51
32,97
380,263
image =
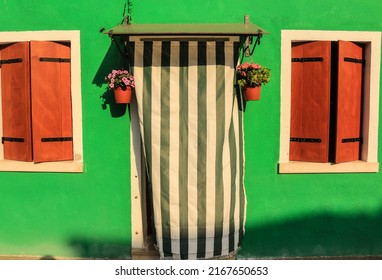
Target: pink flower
x,y
125,81
256,66
245,65
118,78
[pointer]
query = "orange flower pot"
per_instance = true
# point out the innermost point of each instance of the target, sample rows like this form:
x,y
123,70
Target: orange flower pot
x,y
252,93
123,96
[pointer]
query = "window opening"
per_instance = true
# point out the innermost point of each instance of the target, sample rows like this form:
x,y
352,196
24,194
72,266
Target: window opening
x,y
326,111
36,101
370,61
52,118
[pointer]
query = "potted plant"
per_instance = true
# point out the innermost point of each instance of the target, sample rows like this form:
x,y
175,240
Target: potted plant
x,y
250,77
122,82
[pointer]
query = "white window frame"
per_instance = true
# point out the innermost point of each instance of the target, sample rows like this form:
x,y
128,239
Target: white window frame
x,y
76,165
369,153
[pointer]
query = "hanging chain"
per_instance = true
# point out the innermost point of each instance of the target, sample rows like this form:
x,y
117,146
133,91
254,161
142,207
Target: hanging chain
x,y
127,16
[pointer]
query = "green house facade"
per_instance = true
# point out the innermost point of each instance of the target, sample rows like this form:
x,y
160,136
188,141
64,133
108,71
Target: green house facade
x,y
82,194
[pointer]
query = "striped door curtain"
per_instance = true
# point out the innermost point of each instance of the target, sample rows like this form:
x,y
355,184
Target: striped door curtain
x,y
192,134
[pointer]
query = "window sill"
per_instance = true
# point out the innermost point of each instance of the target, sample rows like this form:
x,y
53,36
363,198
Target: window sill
x,y
312,167
59,166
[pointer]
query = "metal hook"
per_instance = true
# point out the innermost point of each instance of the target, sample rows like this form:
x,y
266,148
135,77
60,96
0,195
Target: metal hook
x,y
248,43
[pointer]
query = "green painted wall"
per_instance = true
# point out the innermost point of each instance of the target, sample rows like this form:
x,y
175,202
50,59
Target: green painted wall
x,y
88,214
73,215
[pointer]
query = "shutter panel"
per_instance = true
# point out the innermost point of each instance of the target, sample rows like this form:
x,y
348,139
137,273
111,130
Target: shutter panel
x,y
296,91
51,101
15,91
348,137
310,101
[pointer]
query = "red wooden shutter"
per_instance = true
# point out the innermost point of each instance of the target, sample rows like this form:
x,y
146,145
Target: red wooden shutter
x,y
51,101
296,95
310,101
15,91
348,137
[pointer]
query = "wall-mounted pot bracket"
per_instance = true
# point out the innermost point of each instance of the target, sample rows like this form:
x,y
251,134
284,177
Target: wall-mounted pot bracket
x,y
249,39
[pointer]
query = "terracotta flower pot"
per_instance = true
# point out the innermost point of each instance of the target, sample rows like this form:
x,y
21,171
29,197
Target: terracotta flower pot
x,y
252,93
123,96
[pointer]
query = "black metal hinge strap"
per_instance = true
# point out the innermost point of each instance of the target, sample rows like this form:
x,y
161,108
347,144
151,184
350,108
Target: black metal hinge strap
x,y
11,139
307,59
54,59
354,60
305,140
56,139
12,60
352,140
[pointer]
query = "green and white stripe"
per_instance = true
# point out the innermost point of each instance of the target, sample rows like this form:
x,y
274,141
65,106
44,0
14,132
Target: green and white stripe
x,y
192,134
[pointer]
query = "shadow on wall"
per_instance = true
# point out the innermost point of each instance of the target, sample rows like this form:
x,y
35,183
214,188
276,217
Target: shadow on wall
x,y
324,235
91,249
113,60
